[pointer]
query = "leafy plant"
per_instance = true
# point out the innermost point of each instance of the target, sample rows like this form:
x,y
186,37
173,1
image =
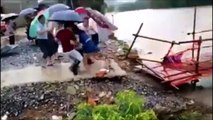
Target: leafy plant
x,y
190,116
147,115
128,106
129,103
106,112
84,112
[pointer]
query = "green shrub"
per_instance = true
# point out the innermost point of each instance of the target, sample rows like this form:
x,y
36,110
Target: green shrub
x,y
147,115
84,112
128,106
106,112
190,116
129,103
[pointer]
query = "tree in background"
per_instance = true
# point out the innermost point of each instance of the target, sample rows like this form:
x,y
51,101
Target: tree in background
x,y
144,4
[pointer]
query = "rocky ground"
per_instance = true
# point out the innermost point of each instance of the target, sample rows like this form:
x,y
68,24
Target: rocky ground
x,y
24,56
37,100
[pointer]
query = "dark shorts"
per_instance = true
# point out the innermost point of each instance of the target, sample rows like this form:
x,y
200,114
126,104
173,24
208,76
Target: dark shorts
x,y
53,43
45,47
12,39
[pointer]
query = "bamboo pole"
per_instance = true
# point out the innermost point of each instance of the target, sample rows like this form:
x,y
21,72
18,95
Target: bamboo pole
x,y
133,42
191,41
203,31
155,39
198,55
194,27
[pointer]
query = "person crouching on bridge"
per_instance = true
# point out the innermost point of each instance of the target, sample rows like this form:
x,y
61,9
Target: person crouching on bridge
x,y
69,43
90,49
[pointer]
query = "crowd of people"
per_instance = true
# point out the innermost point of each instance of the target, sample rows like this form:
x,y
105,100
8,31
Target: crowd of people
x,y
78,41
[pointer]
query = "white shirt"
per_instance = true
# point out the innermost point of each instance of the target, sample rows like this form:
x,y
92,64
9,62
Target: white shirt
x,y
91,29
42,28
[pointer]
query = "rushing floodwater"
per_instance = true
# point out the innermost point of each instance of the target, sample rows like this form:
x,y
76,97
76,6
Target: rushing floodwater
x,y
168,24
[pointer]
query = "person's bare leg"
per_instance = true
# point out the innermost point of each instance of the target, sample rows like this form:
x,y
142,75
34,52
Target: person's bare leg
x,y
86,66
49,61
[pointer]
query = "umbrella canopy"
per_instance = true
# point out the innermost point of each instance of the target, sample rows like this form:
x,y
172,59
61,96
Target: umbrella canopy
x,y
66,16
81,10
5,17
56,8
34,24
100,19
47,13
27,11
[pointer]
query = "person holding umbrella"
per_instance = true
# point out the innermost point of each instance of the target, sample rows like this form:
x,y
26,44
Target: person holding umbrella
x,y
10,31
10,26
29,14
66,37
88,25
43,42
69,44
90,29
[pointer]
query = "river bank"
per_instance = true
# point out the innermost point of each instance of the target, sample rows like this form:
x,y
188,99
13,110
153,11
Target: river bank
x,y
38,100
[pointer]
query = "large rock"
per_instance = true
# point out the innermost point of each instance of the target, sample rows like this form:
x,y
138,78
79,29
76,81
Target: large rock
x,y
71,90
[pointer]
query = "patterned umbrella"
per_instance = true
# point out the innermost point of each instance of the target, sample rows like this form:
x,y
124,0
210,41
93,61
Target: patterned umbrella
x,y
81,10
100,19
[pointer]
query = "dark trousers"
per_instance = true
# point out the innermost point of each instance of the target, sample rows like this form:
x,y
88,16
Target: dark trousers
x,y
12,39
95,38
45,47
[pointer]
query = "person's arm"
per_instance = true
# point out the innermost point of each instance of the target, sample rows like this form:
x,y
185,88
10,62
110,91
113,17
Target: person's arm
x,y
72,42
42,31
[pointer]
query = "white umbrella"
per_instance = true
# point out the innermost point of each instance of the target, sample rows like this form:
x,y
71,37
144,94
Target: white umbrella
x,y
9,16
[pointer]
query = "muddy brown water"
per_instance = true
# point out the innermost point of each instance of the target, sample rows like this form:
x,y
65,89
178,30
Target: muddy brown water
x,y
172,25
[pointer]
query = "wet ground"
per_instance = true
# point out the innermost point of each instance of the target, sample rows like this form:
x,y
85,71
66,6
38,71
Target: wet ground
x,y
47,99
24,56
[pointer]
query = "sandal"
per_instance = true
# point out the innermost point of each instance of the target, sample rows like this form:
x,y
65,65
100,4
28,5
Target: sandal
x,y
51,64
89,61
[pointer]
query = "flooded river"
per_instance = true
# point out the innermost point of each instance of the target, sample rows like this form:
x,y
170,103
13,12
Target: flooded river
x,y
168,24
